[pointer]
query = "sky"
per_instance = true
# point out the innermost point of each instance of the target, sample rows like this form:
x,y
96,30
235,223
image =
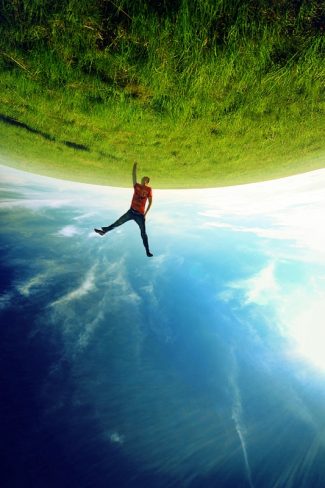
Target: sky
x,y
202,363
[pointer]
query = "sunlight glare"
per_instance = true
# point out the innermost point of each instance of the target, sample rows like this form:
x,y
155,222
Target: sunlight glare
x,y
308,333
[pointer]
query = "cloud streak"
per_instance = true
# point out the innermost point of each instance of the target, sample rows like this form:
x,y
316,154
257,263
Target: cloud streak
x,y
236,415
86,287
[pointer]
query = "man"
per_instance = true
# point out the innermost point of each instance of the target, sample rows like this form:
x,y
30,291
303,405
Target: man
x,y
138,210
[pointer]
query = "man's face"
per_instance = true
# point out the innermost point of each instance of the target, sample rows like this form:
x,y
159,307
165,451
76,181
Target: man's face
x,y
145,180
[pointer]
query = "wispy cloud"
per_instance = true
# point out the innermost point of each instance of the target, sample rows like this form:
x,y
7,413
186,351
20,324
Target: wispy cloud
x,y
86,287
84,216
36,281
33,203
104,291
149,291
88,330
5,300
123,287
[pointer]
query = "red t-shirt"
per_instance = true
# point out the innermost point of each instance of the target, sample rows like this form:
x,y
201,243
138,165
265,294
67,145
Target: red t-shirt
x,y
140,195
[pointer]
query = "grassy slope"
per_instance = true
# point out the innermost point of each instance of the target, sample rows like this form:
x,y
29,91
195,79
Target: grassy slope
x,y
202,97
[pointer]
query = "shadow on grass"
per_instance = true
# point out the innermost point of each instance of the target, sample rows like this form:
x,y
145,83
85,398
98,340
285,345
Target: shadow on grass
x,y
48,137
74,145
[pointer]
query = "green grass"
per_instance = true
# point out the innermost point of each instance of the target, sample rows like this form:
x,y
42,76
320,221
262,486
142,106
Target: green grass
x,y
200,94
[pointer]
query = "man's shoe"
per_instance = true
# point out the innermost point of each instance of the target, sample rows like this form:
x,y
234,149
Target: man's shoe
x,y
100,232
149,254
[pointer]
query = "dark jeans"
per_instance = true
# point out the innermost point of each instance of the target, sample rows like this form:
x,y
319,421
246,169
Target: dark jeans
x,y
138,218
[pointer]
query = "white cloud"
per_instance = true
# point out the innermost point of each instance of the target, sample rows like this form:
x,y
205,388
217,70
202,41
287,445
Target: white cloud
x,y
42,191
290,209
261,288
301,315
298,310
69,231
116,438
302,226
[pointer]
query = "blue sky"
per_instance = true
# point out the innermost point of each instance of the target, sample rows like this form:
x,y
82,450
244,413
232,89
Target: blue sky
x,y
217,339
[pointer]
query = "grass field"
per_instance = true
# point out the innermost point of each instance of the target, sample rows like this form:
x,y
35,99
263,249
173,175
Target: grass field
x,y
199,93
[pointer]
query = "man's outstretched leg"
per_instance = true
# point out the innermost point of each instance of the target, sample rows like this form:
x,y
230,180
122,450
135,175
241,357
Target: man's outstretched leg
x,y
127,216
140,220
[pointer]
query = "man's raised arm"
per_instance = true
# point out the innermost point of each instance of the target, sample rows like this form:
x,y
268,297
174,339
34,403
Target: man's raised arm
x,y
134,173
